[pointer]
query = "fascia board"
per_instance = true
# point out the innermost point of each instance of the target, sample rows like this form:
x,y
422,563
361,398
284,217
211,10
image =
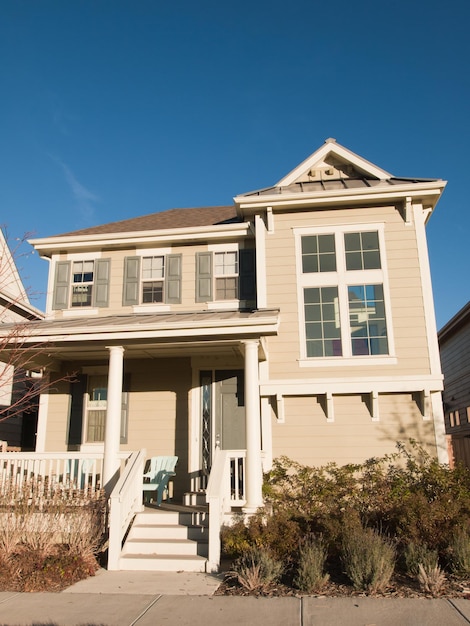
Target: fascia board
x,y
126,336
341,196
337,150
340,386
142,237
25,307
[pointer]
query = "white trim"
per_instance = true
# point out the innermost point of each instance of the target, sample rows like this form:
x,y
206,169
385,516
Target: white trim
x,y
341,361
429,315
43,412
439,427
47,246
224,305
80,311
333,148
261,283
152,252
350,385
330,408
151,307
340,197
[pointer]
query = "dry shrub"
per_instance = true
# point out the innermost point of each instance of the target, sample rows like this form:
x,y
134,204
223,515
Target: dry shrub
x,y
311,577
256,569
368,558
417,554
431,579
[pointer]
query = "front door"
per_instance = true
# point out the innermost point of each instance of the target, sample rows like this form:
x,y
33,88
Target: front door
x,y
223,412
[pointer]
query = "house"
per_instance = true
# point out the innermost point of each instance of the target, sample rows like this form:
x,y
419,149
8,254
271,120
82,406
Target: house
x,y
297,321
17,426
454,345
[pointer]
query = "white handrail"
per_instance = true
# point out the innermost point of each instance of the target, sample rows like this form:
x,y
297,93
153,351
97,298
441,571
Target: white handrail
x,y
226,488
124,502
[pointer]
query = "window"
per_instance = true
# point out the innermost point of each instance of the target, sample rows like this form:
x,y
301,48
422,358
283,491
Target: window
x,y
344,302
152,279
153,273
226,275
82,283
96,407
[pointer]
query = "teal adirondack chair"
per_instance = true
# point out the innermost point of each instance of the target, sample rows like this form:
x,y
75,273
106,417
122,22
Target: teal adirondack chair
x,y
159,471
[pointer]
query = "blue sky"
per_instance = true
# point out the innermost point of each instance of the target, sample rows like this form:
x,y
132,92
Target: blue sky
x,y
113,109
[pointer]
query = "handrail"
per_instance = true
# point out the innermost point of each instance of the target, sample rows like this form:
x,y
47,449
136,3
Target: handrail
x,y
124,502
224,490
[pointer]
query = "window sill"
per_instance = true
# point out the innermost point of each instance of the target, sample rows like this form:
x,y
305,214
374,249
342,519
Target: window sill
x,y
223,304
80,312
151,308
340,361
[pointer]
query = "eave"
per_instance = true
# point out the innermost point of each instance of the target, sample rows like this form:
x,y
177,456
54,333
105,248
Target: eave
x,y
344,197
47,246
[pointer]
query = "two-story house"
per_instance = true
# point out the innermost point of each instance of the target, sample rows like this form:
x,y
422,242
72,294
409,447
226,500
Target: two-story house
x,y
298,321
18,418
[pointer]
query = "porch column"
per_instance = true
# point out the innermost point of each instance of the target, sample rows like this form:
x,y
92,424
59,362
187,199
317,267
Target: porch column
x,y
112,434
253,471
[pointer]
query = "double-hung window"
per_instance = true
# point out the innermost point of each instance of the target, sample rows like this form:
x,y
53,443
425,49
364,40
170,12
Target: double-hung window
x,y
226,275
342,292
152,279
82,283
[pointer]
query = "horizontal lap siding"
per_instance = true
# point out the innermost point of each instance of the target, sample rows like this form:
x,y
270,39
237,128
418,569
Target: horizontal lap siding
x,y
407,306
353,437
57,416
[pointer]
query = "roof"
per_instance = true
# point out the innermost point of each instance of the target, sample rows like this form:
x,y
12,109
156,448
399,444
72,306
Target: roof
x,y
460,319
173,218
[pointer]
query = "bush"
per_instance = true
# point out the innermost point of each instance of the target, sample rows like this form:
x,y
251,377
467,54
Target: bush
x,y
256,569
368,558
416,555
459,553
311,577
431,579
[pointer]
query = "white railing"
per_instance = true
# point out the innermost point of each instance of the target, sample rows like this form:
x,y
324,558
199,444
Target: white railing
x,y
70,469
124,502
225,489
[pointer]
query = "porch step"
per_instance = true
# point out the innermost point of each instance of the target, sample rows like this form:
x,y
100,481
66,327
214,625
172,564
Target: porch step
x,y
168,538
195,498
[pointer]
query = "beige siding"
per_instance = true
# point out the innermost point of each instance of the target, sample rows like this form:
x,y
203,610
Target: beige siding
x,y
407,305
57,416
353,437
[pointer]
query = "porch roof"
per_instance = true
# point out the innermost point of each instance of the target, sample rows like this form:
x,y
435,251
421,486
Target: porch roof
x,y
143,334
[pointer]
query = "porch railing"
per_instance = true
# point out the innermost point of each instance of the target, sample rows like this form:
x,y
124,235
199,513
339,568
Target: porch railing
x,y
225,490
124,502
77,470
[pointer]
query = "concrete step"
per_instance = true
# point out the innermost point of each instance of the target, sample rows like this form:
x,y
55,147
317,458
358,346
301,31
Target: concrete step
x,y
162,563
182,547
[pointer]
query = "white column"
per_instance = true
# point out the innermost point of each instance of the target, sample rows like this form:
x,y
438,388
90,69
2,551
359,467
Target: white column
x,y
41,430
254,474
112,433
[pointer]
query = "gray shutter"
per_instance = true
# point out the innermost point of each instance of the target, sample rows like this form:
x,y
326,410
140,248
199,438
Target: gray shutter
x,y
61,285
77,391
247,274
204,277
173,278
102,269
130,294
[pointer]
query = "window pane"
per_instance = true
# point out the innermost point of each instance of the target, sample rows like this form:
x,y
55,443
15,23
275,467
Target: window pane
x,y
362,251
367,320
152,291
226,263
318,253
153,267
226,288
322,328
81,295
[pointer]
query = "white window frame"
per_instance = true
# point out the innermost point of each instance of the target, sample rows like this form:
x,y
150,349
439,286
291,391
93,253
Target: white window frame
x,y
341,279
149,307
215,249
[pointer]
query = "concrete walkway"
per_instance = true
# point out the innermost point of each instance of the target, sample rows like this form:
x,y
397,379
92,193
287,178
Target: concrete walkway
x,y
154,599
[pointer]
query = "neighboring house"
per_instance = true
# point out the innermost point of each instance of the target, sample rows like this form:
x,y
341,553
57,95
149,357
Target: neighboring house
x,y
298,321
19,428
454,344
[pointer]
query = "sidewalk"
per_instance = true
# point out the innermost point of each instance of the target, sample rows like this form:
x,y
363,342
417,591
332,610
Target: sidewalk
x,y
154,599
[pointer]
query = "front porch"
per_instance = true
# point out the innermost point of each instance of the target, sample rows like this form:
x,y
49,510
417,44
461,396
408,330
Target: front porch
x,y
173,537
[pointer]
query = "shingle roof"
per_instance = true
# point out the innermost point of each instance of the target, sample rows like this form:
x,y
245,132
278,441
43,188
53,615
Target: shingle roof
x,y
174,218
